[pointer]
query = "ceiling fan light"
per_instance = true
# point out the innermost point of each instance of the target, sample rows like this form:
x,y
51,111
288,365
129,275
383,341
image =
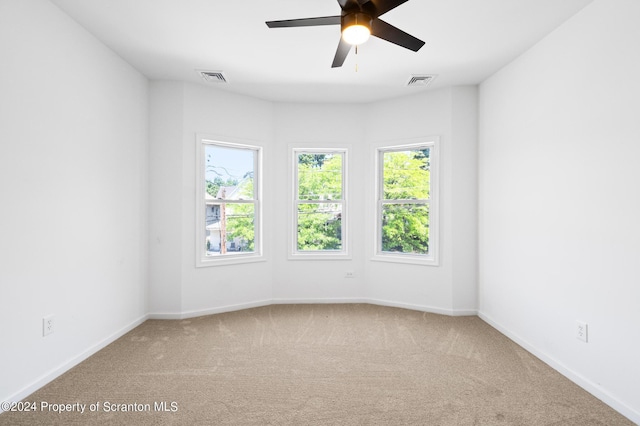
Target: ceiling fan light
x,y
356,28
356,34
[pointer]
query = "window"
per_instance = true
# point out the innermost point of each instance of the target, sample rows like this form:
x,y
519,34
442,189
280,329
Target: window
x,y
319,208
228,200
406,223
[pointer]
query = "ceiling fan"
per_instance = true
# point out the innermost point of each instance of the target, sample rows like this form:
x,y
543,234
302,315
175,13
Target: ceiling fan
x,y
359,19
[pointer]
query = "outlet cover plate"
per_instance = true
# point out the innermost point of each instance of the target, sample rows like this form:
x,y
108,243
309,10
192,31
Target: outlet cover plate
x,y
582,331
47,325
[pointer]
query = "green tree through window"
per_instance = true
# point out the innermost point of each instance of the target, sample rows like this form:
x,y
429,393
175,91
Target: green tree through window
x,y
319,201
405,201
241,217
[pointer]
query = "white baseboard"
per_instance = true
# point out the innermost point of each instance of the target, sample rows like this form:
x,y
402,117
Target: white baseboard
x,y
165,316
210,311
291,301
578,379
381,302
309,301
424,308
58,371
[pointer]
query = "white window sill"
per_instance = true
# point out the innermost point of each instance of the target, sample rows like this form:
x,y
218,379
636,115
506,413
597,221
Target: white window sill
x,y
229,260
320,256
406,258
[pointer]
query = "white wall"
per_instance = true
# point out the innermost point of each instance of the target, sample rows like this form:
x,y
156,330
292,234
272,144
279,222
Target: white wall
x,y
73,179
559,200
166,104
450,114
179,111
464,198
319,126
243,118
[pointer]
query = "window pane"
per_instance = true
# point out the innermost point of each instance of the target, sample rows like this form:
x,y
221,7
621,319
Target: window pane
x,y
319,226
319,176
231,223
406,174
229,172
405,228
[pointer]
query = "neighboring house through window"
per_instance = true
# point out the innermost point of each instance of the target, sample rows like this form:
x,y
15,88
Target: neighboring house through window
x,y
228,219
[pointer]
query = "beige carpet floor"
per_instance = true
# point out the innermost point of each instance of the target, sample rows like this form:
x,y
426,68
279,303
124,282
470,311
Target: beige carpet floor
x,y
316,364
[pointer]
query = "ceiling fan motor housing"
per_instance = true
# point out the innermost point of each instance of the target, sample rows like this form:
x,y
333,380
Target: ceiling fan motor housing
x,y
356,18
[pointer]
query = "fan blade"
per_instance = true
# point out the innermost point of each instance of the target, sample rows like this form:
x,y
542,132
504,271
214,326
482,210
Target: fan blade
x,y
305,22
341,53
383,6
388,32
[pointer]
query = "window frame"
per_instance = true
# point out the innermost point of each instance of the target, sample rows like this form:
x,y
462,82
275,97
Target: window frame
x,y
432,257
257,255
294,254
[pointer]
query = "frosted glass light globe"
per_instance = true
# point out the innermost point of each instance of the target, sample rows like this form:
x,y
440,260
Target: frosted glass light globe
x,y
356,34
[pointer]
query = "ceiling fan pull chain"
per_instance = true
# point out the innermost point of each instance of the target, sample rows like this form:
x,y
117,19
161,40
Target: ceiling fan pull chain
x,y
356,58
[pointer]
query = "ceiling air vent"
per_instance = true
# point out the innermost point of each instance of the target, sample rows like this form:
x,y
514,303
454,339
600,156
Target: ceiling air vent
x,y
212,76
420,80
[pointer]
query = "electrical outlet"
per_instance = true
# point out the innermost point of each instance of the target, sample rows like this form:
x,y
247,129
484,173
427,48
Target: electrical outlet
x,y
349,274
582,331
47,325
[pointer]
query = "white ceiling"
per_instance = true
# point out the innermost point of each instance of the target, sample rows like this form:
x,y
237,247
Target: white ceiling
x,y
466,42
